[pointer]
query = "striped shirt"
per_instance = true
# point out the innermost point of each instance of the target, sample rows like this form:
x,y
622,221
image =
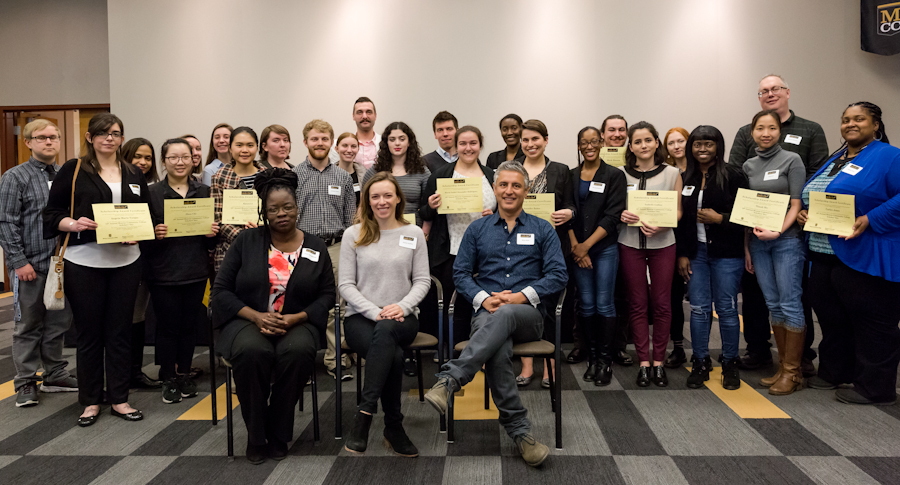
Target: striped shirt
x,y
325,200
23,195
819,243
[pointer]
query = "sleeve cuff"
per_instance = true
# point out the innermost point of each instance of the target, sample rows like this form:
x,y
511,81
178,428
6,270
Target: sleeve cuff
x,y
479,299
531,295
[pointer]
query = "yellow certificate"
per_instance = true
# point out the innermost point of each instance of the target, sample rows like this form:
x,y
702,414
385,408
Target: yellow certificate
x,y
123,222
188,217
831,213
240,206
460,196
540,205
655,207
614,156
760,209
411,218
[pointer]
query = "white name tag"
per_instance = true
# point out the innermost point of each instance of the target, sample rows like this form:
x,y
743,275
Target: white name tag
x,y
355,188
687,190
408,242
598,187
792,139
630,187
136,189
310,254
771,175
851,168
49,184
525,239
334,190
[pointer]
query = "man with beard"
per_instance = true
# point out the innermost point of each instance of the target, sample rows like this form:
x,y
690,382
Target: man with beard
x,y
364,116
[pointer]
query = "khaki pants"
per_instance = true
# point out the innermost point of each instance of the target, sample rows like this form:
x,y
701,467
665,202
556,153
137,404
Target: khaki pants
x,y
334,251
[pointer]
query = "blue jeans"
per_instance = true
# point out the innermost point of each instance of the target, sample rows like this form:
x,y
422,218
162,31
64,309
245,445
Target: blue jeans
x,y
596,286
714,280
778,266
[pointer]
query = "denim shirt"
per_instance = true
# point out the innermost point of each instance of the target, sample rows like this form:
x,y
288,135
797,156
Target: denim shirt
x,y
528,259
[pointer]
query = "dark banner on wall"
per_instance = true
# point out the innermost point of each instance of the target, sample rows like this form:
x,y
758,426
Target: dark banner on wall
x,y
880,26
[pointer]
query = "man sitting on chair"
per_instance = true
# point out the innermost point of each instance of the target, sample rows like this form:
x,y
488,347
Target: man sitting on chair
x,y
518,262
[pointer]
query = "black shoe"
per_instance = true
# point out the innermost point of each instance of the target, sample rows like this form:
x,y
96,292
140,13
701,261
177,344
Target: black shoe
x,y
591,373
850,396
277,450
409,367
359,435
675,359
576,355
659,376
186,386
85,421
195,372
643,377
143,381
623,358
604,374
731,376
27,395
817,382
132,416
256,454
699,372
753,361
396,440
170,392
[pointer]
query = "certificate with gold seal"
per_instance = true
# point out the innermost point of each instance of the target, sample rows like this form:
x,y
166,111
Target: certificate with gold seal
x,y
118,223
655,207
760,209
188,217
240,206
613,156
460,196
831,213
540,205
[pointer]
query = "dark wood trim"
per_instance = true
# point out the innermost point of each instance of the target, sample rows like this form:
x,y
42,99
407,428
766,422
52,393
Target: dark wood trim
x,y
53,107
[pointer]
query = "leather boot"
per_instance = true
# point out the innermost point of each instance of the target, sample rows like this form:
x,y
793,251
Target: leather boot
x,y
588,326
605,333
779,332
791,379
358,440
578,341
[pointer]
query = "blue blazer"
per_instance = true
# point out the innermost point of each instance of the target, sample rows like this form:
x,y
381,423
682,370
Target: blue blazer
x,y
877,191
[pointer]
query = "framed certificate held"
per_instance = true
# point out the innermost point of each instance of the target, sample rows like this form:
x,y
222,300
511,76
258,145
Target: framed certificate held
x,y
460,196
655,207
118,223
760,209
188,217
240,206
831,213
613,156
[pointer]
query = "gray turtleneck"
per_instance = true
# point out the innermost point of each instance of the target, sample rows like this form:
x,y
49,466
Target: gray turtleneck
x,y
777,171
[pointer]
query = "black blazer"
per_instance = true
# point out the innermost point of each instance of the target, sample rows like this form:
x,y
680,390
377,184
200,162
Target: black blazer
x,y
243,280
559,182
599,209
175,260
434,161
439,237
725,240
89,189
496,158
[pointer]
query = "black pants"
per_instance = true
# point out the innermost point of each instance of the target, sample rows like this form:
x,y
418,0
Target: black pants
x,y
676,331
176,325
382,345
102,301
756,316
428,308
270,372
859,314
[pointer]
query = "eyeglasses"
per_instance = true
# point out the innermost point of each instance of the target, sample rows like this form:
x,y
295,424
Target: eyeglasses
x,y
273,211
42,138
114,134
775,90
186,158
709,145
594,143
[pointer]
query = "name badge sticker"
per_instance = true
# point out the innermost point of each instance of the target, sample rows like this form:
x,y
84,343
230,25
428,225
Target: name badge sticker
x,y
525,239
136,189
630,187
356,187
771,175
310,254
334,190
598,187
851,168
408,242
687,191
793,139
49,184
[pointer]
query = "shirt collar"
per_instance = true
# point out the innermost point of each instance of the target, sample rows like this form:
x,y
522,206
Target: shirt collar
x,y
39,164
521,219
790,118
446,155
309,166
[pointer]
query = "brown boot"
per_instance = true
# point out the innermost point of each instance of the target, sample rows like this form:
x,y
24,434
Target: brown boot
x,y
791,379
779,332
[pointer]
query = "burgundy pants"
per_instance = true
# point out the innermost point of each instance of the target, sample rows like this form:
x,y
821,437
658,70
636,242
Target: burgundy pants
x,y
643,298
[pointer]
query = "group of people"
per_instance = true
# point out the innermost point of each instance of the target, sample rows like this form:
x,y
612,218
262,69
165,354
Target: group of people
x,y
360,217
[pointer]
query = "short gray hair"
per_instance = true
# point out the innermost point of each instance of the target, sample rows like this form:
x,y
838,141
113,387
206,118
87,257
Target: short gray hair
x,y
778,76
513,166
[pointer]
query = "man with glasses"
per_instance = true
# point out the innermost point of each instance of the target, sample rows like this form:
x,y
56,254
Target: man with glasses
x,y
807,139
364,116
38,333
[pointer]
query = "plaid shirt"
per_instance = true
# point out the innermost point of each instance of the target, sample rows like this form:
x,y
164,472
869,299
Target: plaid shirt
x,y
226,178
322,214
23,195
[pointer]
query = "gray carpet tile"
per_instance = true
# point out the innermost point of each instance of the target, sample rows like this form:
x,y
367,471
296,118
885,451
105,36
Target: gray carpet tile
x,y
15,419
649,470
768,470
627,378
697,423
832,470
893,411
476,438
213,469
884,470
791,438
579,369
624,428
41,432
426,470
134,470
174,440
569,470
7,459
304,443
472,470
53,470
421,423
301,470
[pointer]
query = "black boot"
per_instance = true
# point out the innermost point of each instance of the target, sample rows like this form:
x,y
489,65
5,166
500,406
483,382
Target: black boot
x,y
605,334
395,439
359,435
588,325
579,330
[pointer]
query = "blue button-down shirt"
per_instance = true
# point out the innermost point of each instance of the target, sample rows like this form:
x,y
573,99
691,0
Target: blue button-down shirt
x,y
446,155
529,259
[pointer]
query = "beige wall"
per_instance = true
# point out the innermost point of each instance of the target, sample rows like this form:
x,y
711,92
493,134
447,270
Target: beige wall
x,y
53,52
179,66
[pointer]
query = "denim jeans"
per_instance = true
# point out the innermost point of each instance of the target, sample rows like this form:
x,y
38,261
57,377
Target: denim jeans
x,y
714,281
596,286
778,266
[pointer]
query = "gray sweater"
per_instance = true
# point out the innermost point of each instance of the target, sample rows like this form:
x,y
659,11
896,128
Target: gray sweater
x,y
785,173
384,272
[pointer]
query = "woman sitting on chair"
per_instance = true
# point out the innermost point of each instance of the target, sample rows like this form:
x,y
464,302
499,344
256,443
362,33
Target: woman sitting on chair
x,y
384,274
271,300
